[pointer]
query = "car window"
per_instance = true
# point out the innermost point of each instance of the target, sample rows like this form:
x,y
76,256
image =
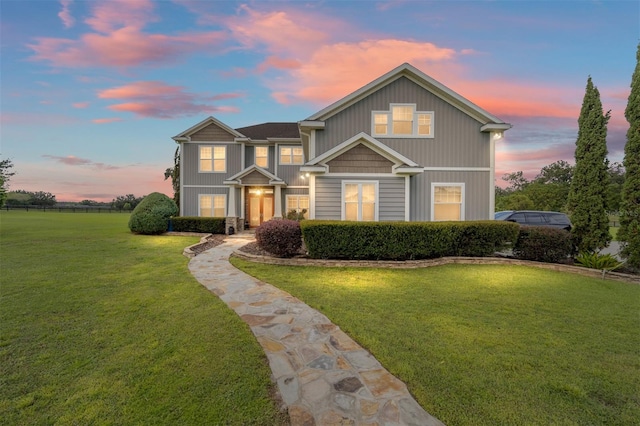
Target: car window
x,y
518,217
535,218
501,215
558,219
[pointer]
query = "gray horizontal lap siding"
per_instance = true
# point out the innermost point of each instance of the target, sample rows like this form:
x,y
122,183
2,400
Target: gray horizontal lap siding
x,y
190,164
329,197
457,140
476,193
191,198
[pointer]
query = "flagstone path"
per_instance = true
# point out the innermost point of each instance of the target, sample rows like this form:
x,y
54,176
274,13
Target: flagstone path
x,y
324,377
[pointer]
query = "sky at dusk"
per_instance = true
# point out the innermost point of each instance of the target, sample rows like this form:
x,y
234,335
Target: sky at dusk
x,y
93,91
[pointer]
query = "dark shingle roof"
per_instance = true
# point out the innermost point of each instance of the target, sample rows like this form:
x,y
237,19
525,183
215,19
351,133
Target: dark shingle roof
x,y
270,130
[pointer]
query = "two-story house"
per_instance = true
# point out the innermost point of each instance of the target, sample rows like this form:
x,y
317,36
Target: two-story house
x,y
402,148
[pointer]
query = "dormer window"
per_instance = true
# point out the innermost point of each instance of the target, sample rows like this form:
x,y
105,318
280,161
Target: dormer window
x,y
402,120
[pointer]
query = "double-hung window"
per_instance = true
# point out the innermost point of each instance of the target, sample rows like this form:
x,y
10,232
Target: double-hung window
x,y
447,201
298,203
262,156
212,205
213,158
360,201
291,155
402,120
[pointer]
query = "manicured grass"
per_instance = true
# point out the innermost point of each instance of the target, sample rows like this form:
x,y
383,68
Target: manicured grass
x,y
99,326
487,344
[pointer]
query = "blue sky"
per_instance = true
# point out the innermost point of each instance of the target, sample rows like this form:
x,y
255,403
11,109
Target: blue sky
x,y
92,91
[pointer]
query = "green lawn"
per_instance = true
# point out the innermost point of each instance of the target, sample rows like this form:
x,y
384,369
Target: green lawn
x,y
489,344
99,326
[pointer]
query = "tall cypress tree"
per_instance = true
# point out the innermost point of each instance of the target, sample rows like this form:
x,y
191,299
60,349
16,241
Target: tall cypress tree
x,y
588,193
629,231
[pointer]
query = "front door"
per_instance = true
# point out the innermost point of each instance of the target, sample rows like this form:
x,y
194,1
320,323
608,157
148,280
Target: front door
x,y
260,206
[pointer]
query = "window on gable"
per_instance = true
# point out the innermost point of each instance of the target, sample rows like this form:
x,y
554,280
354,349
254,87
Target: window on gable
x,y
212,205
359,200
213,158
298,203
262,156
291,155
402,120
448,201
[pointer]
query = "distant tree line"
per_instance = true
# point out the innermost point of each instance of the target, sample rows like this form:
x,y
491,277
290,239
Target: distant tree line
x,y
549,190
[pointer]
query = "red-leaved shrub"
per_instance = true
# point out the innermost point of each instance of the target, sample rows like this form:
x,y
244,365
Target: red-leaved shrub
x,y
281,237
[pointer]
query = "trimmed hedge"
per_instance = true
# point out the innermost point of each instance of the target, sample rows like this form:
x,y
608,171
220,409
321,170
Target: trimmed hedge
x,y
151,215
281,237
405,240
543,244
210,225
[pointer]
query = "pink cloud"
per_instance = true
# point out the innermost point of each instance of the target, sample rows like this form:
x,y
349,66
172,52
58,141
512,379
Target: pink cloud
x,y
118,40
72,160
80,105
106,120
65,14
160,100
355,64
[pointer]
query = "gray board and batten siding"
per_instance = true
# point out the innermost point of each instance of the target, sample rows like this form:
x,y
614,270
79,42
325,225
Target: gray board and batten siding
x,y
457,141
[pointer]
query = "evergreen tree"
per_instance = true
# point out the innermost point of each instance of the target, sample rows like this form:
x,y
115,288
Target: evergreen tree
x,y
588,192
629,231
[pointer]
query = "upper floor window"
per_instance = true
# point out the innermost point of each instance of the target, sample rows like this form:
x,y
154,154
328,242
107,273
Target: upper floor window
x,y
213,158
262,156
402,120
291,155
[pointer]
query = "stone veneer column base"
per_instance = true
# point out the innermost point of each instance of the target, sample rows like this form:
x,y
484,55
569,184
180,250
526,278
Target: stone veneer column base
x,y
238,225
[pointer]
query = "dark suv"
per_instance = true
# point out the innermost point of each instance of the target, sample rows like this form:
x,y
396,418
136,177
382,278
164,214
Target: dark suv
x,y
536,218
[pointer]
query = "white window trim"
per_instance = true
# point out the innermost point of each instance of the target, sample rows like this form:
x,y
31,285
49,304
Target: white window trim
x,y
212,195
212,159
360,182
255,156
297,196
292,163
462,195
390,123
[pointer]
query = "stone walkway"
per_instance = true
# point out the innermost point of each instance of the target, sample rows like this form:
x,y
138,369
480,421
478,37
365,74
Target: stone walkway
x,y
324,377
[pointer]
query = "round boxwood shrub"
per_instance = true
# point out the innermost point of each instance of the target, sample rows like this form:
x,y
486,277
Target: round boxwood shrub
x,y
281,237
152,215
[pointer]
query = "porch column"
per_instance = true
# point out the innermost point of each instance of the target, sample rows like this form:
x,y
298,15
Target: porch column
x,y
231,205
278,201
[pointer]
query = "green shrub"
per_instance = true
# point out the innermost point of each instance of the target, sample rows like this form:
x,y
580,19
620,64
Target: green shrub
x,y
211,225
152,215
281,237
599,261
405,240
543,244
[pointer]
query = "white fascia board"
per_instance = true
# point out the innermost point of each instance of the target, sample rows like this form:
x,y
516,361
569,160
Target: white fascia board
x,y
311,124
250,169
404,170
418,77
231,182
313,169
204,123
491,127
278,182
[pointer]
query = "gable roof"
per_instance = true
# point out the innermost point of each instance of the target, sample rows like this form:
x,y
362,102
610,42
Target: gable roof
x,y
235,179
423,80
402,163
184,136
266,131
